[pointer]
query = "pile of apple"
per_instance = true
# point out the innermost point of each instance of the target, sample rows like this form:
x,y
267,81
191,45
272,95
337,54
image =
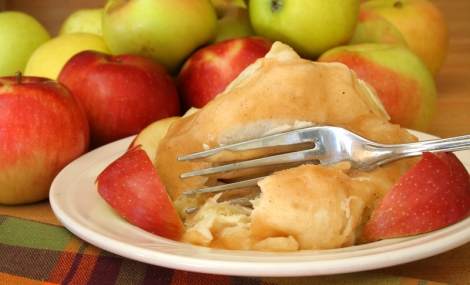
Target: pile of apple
x,y
113,71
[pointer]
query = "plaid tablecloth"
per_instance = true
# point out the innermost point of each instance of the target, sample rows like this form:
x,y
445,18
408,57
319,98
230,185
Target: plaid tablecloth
x,y
36,249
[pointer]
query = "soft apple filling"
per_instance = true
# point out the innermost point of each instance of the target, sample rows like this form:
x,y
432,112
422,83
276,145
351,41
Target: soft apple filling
x,y
303,207
308,207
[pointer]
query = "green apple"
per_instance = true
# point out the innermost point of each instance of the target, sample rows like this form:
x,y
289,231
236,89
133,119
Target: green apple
x,y
48,59
309,26
165,30
235,23
20,35
83,21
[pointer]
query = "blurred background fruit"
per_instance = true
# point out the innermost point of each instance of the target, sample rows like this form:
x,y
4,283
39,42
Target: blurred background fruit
x,y
48,59
172,32
121,95
416,24
165,30
210,69
402,82
234,23
309,26
20,35
83,21
43,128
221,6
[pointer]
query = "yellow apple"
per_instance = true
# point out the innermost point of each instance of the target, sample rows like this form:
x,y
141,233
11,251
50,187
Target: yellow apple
x,y
416,24
47,60
150,137
83,21
167,31
234,23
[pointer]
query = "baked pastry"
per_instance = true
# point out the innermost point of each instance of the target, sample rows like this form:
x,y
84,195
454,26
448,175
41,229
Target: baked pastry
x,y
303,207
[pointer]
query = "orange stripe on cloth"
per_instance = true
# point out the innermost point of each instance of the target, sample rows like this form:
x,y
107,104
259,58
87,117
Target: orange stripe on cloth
x,y
86,262
183,278
61,269
65,260
84,269
18,280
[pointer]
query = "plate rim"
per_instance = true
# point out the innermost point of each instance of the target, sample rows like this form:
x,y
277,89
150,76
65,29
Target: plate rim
x,y
456,238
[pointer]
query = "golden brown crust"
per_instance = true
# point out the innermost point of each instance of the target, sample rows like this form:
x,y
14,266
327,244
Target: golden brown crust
x,y
279,89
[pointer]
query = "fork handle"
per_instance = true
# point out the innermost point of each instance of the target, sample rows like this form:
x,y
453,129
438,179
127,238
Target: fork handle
x,y
414,149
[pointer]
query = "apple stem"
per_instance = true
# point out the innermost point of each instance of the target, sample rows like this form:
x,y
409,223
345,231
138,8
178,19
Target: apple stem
x,y
19,77
398,4
276,5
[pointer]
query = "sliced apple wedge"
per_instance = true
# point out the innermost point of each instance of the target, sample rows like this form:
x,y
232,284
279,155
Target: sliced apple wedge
x,y
433,194
150,136
132,187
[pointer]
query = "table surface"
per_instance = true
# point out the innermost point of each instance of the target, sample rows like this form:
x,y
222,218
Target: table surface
x,y
452,118
453,81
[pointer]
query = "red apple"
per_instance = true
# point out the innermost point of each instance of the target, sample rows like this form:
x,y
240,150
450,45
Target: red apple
x,y
402,82
121,95
42,128
132,187
433,194
209,70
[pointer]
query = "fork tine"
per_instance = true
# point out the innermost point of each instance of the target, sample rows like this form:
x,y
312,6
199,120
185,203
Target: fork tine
x,y
297,156
225,187
296,136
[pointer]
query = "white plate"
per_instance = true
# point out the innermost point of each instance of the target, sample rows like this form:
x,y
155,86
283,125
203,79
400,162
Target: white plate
x,y
78,206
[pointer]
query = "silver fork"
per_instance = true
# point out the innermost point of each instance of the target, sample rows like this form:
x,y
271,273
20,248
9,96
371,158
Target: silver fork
x,y
330,145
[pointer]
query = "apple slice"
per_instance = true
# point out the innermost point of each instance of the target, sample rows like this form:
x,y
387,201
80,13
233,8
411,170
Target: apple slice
x,y
132,187
433,194
150,136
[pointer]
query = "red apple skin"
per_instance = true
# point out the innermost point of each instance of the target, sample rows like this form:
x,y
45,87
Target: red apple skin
x,y
132,187
210,69
433,194
402,82
42,128
121,95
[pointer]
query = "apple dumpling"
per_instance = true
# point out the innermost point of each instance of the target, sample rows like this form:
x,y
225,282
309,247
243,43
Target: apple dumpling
x,y
298,207
305,207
